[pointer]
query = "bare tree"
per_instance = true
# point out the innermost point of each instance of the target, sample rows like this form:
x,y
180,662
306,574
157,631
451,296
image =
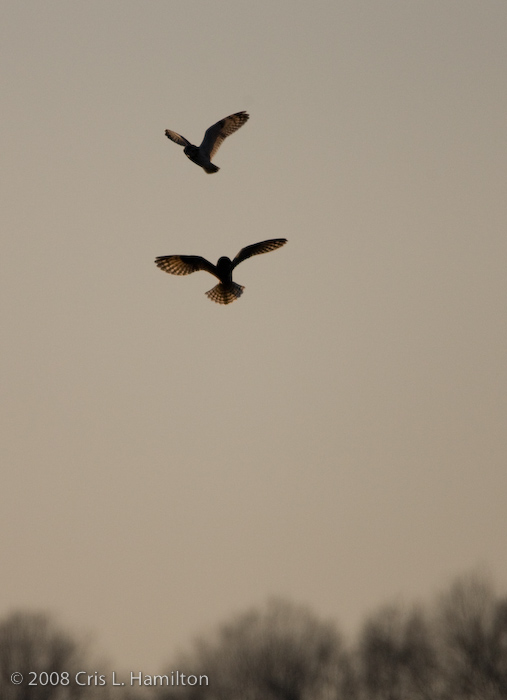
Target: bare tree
x,y
34,650
396,658
282,652
472,627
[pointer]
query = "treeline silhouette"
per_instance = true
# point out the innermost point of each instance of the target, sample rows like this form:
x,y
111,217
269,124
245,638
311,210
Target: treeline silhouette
x,y
453,648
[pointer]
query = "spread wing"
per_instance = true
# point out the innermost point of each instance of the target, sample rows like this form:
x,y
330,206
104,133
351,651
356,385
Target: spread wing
x,y
257,249
184,264
181,140
215,135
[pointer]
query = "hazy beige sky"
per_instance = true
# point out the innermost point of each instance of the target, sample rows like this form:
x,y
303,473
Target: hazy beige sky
x,y
338,435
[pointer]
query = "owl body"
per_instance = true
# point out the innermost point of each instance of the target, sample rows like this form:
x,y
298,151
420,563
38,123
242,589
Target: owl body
x,y
227,290
224,269
194,154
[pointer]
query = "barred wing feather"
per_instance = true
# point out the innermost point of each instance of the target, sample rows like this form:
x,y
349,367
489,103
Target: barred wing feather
x,y
181,140
184,264
258,248
215,135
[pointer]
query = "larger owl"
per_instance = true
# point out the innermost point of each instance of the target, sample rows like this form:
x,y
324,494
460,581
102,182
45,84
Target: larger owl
x,y
213,138
227,291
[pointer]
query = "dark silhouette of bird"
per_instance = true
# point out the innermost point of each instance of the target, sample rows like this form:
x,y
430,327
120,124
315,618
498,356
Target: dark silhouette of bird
x,y
227,290
213,138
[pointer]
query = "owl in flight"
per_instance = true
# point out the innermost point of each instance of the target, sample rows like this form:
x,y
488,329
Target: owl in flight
x,y
227,290
211,142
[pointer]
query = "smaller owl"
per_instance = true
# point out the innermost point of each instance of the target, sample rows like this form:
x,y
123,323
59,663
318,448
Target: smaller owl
x,y
227,290
213,138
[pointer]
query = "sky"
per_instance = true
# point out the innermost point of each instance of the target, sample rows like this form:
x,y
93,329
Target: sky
x,y
336,436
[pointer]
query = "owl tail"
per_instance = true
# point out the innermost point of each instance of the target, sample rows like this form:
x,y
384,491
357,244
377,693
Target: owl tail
x,y
224,295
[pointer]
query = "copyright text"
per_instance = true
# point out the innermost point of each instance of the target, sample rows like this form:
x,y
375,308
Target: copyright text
x,y
85,678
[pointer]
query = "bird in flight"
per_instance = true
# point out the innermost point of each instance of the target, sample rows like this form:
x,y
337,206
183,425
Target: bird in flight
x,y
213,138
227,290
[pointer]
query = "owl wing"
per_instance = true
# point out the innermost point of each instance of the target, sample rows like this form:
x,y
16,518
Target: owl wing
x,y
181,140
215,135
184,264
258,248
